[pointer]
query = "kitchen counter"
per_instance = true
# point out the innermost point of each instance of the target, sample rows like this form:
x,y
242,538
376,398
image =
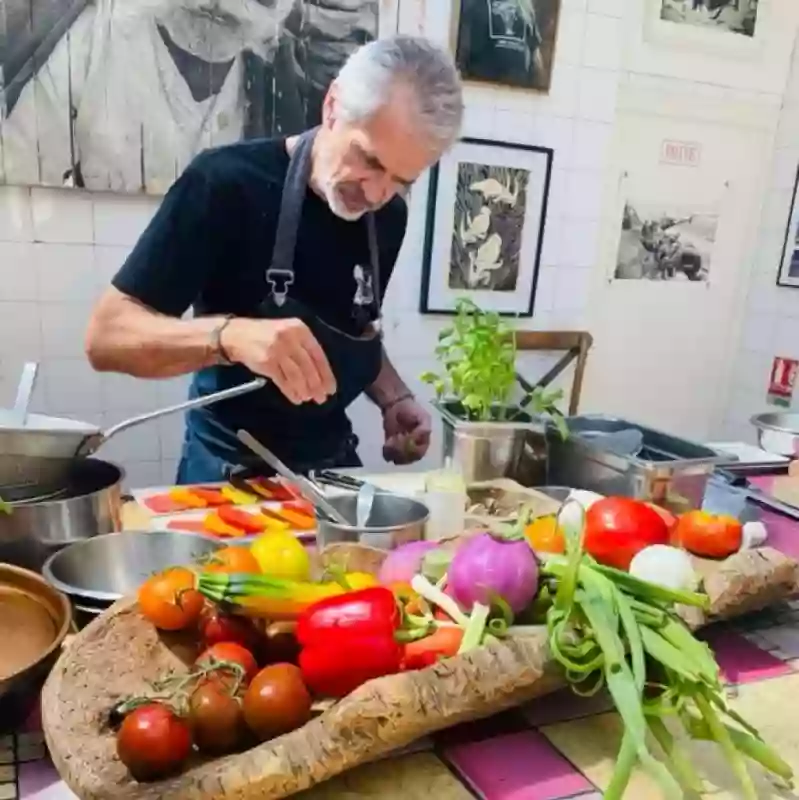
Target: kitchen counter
x,y
557,747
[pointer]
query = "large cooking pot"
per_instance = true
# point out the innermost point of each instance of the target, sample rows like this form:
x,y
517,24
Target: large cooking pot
x,y
36,457
35,619
89,503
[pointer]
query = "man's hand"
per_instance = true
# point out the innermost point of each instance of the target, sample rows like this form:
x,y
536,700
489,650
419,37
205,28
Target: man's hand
x,y
286,352
407,428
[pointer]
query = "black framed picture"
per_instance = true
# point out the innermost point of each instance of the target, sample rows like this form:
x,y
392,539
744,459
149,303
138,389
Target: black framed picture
x,y
789,264
508,42
486,211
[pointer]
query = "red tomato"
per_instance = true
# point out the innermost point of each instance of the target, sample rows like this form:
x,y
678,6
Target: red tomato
x,y
708,535
153,742
170,601
217,627
616,528
668,517
232,653
216,718
276,702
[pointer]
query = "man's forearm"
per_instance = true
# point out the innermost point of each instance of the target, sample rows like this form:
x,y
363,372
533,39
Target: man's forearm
x,y
389,386
125,336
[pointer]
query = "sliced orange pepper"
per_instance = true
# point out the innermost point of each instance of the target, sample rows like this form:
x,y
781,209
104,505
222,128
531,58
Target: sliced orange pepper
x,y
300,506
300,522
212,497
237,497
214,524
249,523
273,523
184,496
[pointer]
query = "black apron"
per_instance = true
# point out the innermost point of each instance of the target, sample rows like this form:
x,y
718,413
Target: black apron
x,y
311,435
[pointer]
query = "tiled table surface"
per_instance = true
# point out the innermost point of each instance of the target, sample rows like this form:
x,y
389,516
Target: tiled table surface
x,y
558,747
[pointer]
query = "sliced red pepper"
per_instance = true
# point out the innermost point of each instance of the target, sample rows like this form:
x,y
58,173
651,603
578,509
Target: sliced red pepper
x,y
335,670
187,525
271,489
443,643
243,520
163,504
365,612
300,507
212,497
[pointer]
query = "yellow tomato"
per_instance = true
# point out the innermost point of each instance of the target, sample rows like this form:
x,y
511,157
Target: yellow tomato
x,y
281,555
545,536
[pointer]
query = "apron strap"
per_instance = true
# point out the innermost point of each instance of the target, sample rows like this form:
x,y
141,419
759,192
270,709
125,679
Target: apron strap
x,y
280,275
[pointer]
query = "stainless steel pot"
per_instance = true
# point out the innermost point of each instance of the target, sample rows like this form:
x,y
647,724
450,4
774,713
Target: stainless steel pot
x,y
393,520
88,504
778,432
40,452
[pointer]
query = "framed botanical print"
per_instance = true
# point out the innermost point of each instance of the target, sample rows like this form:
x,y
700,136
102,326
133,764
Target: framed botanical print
x,y
507,42
486,211
789,266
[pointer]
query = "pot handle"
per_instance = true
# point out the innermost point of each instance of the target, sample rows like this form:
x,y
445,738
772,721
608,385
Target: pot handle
x,y
93,442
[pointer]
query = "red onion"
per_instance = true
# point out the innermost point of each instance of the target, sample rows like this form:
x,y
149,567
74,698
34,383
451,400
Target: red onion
x,y
403,563
488,566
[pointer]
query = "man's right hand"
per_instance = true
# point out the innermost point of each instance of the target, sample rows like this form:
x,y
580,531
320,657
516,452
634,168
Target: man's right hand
x,y
286,352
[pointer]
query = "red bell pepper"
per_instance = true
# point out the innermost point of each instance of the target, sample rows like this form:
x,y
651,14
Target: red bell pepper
x,y
349,639
443,643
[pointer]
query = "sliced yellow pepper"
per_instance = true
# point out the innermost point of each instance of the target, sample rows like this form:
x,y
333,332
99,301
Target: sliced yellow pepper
x,y
214,524
184,496
238,497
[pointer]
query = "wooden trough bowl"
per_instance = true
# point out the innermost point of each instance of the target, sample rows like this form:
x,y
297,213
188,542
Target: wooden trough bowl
x,y
120,653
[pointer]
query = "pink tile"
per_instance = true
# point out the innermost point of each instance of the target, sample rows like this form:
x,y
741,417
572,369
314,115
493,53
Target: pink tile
x,y
35,777
740,660
783,533
517,766
563,706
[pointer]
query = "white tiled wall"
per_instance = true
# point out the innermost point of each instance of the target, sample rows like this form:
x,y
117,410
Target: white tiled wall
x,y
770,326
58,249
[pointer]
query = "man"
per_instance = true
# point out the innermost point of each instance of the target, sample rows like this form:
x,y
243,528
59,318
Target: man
x,y
284,248
120,95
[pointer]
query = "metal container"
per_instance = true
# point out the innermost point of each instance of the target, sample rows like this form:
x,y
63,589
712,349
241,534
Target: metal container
x,y
106,568
778,432
89,504
34,621
393,520
667,470
485,451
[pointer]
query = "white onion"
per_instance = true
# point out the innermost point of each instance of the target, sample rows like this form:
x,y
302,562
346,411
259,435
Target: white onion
x,y
754,534
665,566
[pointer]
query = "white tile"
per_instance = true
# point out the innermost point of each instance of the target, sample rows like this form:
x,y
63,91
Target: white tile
x,y
124,393
66,273
173,390
759,332
121,219
610,8
784,166
169,471
573,286
552,251
141,474
512,126
20,330
16,221
573,5
788,129
17,267
170,433
557,133
597,93
571,33
478,121
786,337
558,193
776,207
580,243
63,329
585,194
140,443
591,143
107,261
562,98
603,47
545,289
72,388
62,216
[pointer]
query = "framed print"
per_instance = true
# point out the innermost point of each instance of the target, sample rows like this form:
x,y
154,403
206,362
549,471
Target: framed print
x,y
507,42
789,267
486,211
731,16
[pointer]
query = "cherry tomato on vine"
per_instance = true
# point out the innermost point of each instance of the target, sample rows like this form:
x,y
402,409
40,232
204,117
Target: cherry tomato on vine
x,y
276,702
216,717
231,653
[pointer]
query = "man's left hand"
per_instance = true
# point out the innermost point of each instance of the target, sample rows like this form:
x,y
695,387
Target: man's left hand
x,y
407,427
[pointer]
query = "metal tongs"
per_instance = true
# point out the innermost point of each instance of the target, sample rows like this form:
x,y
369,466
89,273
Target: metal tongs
x,y
307,488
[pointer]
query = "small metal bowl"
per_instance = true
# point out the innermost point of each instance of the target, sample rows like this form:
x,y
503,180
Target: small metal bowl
x,y
35,621
393,520
778,432
106,568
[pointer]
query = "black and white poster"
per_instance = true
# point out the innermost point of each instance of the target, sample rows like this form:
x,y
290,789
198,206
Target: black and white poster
x,y
508,42
735,16
485,221
789,266
119,95
663,242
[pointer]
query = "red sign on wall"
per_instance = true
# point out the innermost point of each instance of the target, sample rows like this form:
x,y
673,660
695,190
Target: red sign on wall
x,y
783,378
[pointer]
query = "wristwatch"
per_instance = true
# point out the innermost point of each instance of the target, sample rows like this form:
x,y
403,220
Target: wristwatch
x,y
217,348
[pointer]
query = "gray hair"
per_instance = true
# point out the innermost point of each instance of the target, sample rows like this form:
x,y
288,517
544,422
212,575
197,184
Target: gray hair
x,y
366,81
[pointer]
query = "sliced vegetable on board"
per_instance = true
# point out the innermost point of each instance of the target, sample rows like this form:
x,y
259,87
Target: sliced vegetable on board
x,y
214,524
243,520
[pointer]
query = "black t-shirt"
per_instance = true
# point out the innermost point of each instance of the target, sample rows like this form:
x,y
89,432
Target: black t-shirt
x,y
208,247
210,242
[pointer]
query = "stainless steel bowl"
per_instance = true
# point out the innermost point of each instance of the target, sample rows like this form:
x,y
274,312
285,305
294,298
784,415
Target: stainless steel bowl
x,y
778,432
106,568
393,520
